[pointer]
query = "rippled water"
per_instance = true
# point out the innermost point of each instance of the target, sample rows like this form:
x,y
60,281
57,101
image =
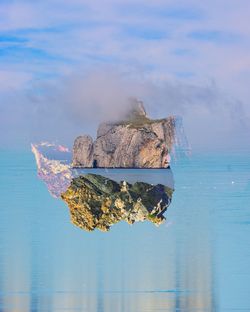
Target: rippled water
x,y
199,260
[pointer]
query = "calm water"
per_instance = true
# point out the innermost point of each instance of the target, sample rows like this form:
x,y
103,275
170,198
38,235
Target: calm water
x,y
199,260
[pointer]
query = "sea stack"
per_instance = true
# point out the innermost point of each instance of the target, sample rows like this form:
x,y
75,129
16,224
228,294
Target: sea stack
x,y
136,141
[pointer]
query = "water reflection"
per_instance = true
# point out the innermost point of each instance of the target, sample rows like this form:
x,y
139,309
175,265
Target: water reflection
x,y
197,261
97,199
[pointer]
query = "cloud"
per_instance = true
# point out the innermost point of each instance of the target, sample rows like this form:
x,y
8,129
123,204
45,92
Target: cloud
x,y
212,119
13,80
214,36
163,11
77,103
179,44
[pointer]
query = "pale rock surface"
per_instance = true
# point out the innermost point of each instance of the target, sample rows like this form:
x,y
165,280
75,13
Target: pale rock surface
x,y
83,151
134,142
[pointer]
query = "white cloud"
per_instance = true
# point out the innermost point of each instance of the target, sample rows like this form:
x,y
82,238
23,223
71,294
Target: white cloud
x,y
85,34
13,80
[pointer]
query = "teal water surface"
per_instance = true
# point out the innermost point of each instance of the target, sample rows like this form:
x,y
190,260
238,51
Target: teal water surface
x,y
199,260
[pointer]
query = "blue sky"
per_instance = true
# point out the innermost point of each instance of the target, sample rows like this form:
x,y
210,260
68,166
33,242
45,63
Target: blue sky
x,y
188,42
77,33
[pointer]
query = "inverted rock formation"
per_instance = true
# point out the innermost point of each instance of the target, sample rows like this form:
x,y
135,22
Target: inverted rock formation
x,y
135,142
57,174
99,202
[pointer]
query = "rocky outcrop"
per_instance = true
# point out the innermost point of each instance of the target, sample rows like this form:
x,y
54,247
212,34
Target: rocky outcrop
x,y
98,202
134,142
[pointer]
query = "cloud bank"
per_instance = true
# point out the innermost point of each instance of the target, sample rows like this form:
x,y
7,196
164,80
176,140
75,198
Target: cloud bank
x,y
66,65
76,104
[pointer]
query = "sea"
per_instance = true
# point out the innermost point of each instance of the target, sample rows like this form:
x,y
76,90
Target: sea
x,y
198,260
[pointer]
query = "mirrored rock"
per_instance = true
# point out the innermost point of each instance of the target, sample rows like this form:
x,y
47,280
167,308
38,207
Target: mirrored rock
x,y
56,173
98,202
99,198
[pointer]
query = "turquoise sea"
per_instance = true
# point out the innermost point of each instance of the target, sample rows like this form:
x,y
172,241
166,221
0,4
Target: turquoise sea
x,y
199,260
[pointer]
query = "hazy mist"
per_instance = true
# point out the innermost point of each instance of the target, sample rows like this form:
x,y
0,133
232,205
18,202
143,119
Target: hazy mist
x,y
67,107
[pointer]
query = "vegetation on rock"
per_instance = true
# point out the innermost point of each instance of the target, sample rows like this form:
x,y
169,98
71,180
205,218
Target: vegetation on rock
x,y
98,202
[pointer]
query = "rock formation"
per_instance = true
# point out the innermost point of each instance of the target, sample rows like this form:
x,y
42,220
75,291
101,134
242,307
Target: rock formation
x,y
135,142
98,202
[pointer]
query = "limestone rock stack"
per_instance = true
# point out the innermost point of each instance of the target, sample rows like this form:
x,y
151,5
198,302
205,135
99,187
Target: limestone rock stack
x,y
134,142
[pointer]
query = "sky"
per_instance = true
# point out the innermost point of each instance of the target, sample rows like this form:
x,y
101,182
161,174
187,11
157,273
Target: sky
x,y
66,65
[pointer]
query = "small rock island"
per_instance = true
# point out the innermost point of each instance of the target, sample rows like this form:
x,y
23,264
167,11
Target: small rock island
x,y
134,142
99,198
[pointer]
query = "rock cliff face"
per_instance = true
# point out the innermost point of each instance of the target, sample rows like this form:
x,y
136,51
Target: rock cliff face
x,y
135,142
98,202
